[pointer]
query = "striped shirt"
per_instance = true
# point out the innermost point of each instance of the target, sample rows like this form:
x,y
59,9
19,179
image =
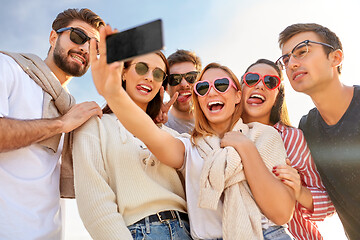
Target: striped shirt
x,y
302,225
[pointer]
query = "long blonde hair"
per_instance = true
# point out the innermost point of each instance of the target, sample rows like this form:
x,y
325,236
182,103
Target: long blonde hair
x,y
202,127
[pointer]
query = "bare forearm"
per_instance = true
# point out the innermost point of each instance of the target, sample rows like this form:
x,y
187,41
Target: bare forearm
x,y
306,198
274,198
15,134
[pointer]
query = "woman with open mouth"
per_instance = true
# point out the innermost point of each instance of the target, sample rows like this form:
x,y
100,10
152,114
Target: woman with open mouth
x,y
231,192
263,101
122,190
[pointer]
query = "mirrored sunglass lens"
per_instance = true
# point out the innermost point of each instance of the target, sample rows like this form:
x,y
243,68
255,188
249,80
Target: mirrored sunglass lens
x,y
77,37
191,77
251,79
222,84
202,88
271,82
174,79
158,75
141,68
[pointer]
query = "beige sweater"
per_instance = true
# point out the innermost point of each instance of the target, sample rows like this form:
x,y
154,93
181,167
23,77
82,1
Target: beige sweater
x,y
223,173
118,181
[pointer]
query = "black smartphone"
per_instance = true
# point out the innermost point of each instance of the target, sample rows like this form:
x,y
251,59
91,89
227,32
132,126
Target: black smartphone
x,y
136,41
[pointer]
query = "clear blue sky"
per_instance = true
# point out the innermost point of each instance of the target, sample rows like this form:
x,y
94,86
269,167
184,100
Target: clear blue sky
x,y
232,32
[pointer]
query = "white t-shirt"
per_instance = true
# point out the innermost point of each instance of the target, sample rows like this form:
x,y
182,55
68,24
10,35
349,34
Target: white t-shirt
x,y
204,223
29,176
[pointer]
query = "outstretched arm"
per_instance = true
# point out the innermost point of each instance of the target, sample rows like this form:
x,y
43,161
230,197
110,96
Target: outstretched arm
x,y
275,199
107,80
15,133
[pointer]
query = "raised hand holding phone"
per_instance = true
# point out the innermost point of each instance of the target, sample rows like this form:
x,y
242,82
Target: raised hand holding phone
x,y
133,42
106,77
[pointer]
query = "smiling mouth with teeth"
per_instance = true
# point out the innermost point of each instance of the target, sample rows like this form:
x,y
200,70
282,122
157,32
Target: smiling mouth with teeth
x,y
184,97
144,88
215,106
78,59
299,75
185,94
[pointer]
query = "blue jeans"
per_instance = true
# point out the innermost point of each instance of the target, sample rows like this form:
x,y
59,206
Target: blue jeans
x,y
277,233
167,230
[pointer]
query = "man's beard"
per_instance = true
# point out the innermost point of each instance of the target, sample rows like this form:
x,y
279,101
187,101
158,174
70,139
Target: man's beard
x,y
182,107
72,69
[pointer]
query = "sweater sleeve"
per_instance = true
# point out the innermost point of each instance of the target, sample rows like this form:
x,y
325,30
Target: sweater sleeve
x,y
95,199
269,144
301,159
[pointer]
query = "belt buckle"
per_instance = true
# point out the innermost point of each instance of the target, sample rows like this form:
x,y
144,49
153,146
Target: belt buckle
x,y
163,220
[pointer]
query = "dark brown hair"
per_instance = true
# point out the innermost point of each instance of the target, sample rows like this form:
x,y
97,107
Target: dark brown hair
x,y
64,18
279,111
153,107
324,33
181,56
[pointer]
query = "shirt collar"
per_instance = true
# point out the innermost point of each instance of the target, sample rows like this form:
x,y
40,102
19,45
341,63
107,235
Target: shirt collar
x,y
280,127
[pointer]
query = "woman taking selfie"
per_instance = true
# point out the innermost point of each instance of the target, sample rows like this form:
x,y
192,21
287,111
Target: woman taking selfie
x,y
263,101
122,191
226,172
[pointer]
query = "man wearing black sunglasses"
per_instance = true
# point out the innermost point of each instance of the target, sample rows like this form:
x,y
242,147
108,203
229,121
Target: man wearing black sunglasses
x,y
185,66
35,112
312,57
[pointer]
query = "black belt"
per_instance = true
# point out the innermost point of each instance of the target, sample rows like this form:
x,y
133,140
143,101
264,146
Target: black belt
x,y
163,216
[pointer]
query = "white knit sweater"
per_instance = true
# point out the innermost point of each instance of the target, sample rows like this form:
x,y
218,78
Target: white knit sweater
x,y
118,181
223,173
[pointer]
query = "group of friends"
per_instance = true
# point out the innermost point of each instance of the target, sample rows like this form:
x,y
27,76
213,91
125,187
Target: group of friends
x,y
220,160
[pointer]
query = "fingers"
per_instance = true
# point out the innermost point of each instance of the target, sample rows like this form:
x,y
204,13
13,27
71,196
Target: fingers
x,y
291,184
162,93
102,43
79,114
285,170
109,30
289,176
165,118
162,117
171,102
88,109
104,32
93,51
234,134
288,162
159,118
116,68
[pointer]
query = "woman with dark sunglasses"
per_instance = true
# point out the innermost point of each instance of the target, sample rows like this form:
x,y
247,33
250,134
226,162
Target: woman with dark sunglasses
x,y
122,190
265,103
236,214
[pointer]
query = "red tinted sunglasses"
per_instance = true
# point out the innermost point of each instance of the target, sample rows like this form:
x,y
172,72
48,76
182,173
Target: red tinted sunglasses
x,y
270,81
221,85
